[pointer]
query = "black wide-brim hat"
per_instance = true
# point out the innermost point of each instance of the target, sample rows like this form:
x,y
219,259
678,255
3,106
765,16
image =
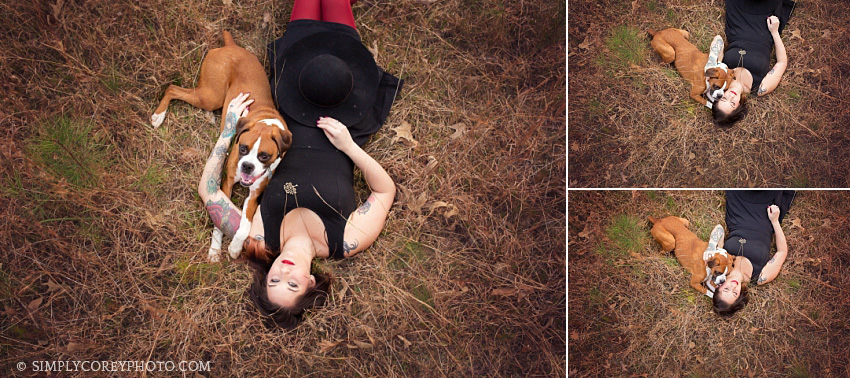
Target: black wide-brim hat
x,y
313,50
759,6
759,196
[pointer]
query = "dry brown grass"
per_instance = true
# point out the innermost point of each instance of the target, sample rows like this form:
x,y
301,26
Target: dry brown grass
x,y
632,313
104,258
633,124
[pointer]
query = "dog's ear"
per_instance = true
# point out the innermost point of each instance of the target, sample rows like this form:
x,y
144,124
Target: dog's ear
x,y
242,126
712,263
283,139
712,73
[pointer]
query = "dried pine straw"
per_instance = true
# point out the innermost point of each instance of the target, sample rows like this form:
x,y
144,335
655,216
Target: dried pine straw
x,y
104,259
632,123
631,312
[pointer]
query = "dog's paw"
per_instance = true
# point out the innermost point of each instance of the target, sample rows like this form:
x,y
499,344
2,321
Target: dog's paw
x,y
213,255
157,118
235,248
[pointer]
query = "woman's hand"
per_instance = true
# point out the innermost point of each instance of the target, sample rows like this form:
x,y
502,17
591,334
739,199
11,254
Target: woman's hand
x,y
336,132
773,24
237,108
773,213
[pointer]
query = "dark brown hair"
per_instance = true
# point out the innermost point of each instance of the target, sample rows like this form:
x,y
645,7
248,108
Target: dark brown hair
x,y
728,309
260,260
727,120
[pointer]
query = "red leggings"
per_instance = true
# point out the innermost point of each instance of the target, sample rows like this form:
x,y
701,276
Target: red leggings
x,y
338,11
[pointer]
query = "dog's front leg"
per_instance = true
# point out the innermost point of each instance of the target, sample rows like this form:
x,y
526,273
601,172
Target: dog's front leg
x,y
215,245
244,226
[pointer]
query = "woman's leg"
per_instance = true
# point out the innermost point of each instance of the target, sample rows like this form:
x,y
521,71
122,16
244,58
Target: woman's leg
x,y
338,11
306,10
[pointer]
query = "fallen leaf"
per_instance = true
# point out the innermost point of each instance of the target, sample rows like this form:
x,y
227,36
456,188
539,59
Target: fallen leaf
x,y
691,156
432,163
452,211
57,9
326,345
574,335
504,292
75,347
754,140
403,132
53,286
363,345
699,358
692,345
585,233
33,305
407,344
227,2
796,222
826,223
826,33
634,5
417,204
459,129
585,44
575,147
796,33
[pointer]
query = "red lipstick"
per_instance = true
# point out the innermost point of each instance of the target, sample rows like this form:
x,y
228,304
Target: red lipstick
x,y
287,262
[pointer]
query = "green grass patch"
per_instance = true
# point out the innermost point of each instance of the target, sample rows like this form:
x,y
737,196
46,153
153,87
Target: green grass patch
x,y
627,233
800,180
794,284
627,45
422,293
409,253
196,274
595,296
68,149
151,180
670,261
793,94
113,80
799,369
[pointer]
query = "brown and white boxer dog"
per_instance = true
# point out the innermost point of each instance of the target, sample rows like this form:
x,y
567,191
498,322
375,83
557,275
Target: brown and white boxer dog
x,y
673,46
262,137
673,234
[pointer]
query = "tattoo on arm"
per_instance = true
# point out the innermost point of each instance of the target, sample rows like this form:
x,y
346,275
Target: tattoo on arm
x,y
259,237
761,91
347,248
772,70
218,155
223,216
229,125
364,208
772,259
761,280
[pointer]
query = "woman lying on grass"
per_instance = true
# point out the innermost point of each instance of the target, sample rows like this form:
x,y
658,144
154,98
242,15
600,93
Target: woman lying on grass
x,y
284,286
752,31
754,220
333,97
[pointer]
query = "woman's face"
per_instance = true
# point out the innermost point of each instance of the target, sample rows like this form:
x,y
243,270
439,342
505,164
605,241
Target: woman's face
x,y
289,277
729,291
729,102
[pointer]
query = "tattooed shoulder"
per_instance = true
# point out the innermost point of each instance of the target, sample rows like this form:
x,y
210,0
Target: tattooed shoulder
x,y
347,248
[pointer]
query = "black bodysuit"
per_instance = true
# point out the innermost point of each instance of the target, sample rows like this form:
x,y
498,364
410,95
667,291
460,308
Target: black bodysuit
x,y
314,174
746,29
750,230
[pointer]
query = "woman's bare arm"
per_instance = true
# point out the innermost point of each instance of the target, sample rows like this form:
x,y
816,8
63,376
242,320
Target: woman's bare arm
x,y
772,268
365,223
771,80
224,214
